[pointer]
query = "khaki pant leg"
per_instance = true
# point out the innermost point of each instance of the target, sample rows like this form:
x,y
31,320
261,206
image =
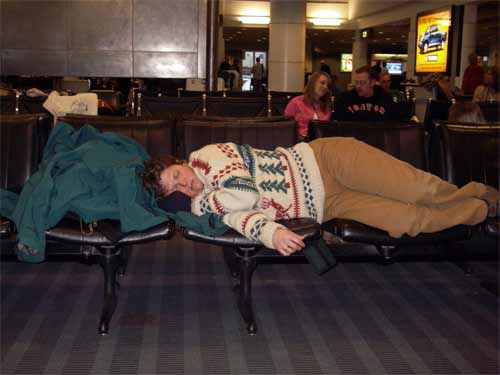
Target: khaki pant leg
x,y
400,218
361,167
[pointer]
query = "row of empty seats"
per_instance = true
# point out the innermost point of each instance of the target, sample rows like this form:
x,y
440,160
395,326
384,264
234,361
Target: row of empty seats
x,y
272,104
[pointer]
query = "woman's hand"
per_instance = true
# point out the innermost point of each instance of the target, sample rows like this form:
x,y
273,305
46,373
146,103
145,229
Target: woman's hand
x,y
287,242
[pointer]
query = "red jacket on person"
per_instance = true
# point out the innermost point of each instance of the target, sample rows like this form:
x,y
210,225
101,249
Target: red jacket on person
x,y
473,77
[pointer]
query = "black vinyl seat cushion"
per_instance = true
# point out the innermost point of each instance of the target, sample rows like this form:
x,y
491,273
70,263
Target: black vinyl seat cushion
x,y
354,231
106,233
306,227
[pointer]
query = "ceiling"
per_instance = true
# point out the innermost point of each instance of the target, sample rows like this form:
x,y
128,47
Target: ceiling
x,y
388,38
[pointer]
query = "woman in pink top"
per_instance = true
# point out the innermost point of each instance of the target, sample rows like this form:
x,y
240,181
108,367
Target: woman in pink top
x,y
315,104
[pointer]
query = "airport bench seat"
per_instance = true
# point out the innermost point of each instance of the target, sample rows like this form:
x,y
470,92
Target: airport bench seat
x,y
241,256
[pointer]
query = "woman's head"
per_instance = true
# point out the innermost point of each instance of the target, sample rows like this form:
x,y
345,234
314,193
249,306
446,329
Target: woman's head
x,y
318,92
491,78
163,176
468,112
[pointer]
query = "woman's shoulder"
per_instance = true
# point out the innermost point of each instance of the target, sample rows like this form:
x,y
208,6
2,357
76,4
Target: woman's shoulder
x,y
297,99
294,105
215,151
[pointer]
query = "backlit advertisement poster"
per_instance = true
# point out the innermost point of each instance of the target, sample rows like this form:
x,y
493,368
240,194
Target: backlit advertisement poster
x,y
433,39
346,62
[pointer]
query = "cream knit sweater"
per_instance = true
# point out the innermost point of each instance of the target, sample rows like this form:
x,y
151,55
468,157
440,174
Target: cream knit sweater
x,y
251,188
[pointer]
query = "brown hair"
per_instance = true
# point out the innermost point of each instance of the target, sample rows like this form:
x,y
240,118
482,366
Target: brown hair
x,y
496,82
372,73
468,112
325,102
152,173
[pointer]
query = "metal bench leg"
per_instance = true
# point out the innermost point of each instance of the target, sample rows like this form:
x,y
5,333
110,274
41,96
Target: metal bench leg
x,y
109,258
386,252
232,261
124,258
248,263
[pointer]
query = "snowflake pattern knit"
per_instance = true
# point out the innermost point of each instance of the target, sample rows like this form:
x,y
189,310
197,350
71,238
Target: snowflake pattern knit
x,y
251,188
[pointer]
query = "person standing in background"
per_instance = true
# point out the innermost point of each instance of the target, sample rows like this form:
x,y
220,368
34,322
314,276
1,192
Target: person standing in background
x,y
473,75
258,72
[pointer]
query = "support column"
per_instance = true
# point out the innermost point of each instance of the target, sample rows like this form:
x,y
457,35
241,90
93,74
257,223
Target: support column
x,y
212,44
468,40
412,34
287,45
359,52
308,66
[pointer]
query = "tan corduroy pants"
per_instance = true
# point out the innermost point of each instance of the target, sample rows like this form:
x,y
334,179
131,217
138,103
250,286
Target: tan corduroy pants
x,y
367,185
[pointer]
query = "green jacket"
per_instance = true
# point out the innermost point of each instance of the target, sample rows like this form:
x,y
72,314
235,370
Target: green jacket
x,y
94,175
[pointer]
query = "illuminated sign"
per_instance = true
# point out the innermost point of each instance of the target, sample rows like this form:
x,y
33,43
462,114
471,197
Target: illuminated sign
x,y
346,62
433,41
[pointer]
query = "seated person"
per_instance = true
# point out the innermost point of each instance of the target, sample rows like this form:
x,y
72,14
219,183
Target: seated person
x,y
490,89
366,102
315,104
229,72
324,179
385,82
468,112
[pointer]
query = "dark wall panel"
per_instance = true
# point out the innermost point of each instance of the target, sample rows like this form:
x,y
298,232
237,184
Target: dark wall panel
x,y
104,25
36,63
100,63
34,24
166,26
118,38
160,64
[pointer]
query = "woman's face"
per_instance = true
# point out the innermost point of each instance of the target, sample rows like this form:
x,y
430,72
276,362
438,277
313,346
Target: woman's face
x,y
321,87
181,178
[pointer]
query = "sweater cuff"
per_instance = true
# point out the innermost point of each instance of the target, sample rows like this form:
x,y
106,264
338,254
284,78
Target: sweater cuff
x,y
267,233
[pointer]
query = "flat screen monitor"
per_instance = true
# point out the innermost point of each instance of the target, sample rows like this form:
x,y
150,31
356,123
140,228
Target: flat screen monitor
x,y
346,62
395,68
433,41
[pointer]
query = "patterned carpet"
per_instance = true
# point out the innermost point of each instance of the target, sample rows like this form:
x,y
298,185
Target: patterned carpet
x,y
176,314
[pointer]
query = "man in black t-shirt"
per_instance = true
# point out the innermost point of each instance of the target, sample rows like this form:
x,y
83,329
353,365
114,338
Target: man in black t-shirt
x,y
366,102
